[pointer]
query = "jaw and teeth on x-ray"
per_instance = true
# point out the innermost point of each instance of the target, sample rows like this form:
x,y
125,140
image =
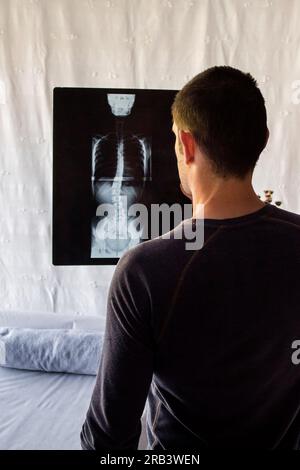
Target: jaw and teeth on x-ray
x,y
121,163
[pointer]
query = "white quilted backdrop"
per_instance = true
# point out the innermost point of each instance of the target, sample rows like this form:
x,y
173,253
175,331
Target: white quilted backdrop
x,y
123,43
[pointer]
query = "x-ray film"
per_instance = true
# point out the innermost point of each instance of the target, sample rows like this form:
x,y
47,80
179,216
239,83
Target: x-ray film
x,y
113,159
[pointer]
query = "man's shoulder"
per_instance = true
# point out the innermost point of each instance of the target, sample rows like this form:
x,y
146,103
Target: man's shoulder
x,y
284,224
283,215
162,250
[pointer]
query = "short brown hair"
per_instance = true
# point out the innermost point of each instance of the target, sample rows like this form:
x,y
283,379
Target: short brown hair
x,y
225,111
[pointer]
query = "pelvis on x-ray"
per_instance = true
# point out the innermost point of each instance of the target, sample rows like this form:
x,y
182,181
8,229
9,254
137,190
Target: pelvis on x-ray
x,y
121,163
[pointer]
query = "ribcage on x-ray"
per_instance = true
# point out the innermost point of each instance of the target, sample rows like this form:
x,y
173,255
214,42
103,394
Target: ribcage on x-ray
x,y
128,156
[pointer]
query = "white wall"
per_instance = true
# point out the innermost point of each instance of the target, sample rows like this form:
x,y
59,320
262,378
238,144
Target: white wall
x,y
122,43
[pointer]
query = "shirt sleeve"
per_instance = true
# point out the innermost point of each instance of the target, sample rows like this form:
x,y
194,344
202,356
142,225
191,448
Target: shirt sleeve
x,y
113,419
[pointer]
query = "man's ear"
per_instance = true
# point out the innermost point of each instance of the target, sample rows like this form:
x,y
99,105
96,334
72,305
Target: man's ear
x,y
188,144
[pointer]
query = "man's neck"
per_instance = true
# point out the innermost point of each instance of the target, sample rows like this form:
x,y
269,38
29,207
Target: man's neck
x,y
226,204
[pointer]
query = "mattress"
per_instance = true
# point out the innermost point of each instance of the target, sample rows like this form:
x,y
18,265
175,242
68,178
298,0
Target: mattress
x,y
43,410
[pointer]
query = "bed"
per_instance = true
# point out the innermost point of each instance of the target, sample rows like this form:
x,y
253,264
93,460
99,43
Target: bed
x,y
45,410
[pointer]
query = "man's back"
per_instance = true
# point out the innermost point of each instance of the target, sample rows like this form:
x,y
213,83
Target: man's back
x,y
219,322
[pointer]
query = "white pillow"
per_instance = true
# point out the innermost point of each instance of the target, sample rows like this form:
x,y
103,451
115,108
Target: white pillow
x,y
51,350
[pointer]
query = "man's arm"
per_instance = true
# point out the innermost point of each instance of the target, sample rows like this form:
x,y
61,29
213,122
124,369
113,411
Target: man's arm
x,y
113,420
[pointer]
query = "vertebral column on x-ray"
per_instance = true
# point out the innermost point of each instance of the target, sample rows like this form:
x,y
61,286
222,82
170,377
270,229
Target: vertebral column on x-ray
x,y
120,166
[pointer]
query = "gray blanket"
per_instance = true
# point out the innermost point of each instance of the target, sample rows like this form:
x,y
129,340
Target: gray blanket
x,y
52,350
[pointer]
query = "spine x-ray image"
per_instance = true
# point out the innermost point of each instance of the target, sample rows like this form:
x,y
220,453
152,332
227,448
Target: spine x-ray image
x,y
121,163
113,163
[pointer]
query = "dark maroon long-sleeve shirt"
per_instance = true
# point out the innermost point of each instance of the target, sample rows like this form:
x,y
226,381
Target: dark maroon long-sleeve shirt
x,y
206,337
